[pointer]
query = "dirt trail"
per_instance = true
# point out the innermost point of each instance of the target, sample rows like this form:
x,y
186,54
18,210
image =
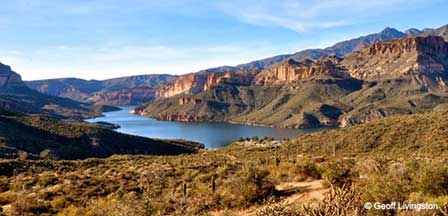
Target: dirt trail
x,y
307,191
294,193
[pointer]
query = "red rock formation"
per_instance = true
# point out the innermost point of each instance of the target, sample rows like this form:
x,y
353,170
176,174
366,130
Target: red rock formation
x,y
292,70
199,82
189,83
391,59
215,79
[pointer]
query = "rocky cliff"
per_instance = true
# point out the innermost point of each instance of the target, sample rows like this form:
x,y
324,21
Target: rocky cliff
x,y
391,59
8,78
189,83
292,70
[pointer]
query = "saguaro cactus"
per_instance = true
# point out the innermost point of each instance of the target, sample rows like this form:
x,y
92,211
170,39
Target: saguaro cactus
x,y
185,189
213,184
277,161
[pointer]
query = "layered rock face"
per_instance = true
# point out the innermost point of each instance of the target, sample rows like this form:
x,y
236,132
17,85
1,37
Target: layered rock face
x,y
391,59
9,78
199,82
292,70
190,83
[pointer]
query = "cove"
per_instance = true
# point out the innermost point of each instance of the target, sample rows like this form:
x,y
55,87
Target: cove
x,y
211,134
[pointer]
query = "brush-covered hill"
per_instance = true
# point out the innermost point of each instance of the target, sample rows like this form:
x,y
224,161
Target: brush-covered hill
x,y
400,76
422,134
40,137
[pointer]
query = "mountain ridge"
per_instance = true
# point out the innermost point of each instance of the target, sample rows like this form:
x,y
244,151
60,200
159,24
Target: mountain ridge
x,y
331,91
104,95
15,95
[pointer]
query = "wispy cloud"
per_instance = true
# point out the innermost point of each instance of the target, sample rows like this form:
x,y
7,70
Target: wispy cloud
x,y
307,15
108,38
101,63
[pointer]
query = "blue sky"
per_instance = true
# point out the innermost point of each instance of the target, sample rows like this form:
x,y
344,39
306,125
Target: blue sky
x,y
98,39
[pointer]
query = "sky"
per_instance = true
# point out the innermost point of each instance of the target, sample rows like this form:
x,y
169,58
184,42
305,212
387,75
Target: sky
x,y
100,39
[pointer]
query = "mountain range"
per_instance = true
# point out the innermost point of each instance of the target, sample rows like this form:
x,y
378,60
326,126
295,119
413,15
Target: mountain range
x,y
144,88
351,82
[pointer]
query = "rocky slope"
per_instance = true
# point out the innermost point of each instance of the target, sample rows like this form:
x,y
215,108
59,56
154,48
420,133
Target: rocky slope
x,y
399,76
15,95
442,32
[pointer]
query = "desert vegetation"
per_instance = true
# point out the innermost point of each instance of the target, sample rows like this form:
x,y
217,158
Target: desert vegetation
x,y
236,180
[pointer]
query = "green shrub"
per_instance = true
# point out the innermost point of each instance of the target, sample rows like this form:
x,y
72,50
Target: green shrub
x,y
276,210
338,173
47,178
432,179
339,201
308,169
250,185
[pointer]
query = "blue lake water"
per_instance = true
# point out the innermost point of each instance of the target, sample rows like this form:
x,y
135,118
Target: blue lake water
x,y
212,135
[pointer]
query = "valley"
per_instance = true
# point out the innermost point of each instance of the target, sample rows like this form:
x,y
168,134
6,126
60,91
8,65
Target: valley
x,y
338,86
316,132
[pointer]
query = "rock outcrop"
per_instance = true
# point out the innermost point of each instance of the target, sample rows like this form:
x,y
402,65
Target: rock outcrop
x,y
9,78
190,83
292,70
392,59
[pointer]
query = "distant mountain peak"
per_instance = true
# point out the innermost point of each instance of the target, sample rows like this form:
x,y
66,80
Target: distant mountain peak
x,y
391,32
413,31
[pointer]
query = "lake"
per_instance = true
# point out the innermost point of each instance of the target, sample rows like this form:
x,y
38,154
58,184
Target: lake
x,y
212,135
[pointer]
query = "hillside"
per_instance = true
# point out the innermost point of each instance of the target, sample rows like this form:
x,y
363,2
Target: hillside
x,y
390,77
117,91
40,137
400,158
15,95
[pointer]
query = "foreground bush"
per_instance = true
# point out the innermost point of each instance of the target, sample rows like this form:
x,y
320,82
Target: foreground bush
x,y
340,201
251,185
